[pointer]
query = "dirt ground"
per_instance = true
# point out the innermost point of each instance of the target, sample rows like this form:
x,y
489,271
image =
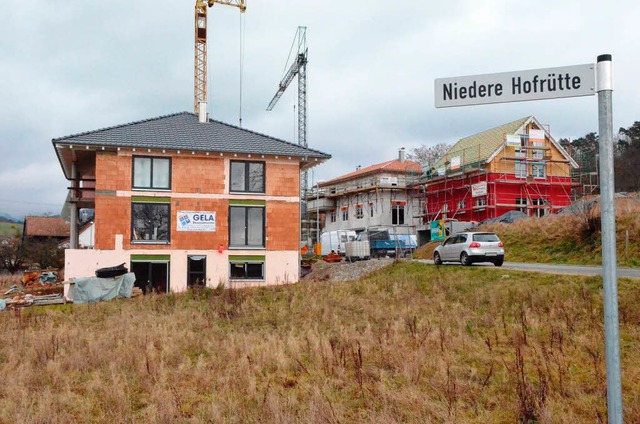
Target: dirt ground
x,y
344,270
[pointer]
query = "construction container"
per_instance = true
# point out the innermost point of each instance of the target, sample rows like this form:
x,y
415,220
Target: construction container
x,y
357,250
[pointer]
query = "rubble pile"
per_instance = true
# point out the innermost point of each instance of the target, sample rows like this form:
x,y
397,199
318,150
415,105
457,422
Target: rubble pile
x,y
38,288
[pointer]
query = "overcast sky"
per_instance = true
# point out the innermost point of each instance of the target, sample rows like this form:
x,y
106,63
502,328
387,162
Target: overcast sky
x,y
71,66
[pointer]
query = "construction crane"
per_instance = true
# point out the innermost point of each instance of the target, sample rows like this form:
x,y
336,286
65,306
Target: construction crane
x,y
299,68
200,58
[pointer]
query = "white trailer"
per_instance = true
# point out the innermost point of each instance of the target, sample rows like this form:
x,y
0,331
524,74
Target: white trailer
x,y
336,241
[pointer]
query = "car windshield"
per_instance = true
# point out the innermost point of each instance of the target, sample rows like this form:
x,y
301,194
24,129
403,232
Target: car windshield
x,y
485,237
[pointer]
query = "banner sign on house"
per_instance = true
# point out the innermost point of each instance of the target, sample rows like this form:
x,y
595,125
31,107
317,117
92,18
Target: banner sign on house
x,y
479,189
455,162
532,84
196,221
513,140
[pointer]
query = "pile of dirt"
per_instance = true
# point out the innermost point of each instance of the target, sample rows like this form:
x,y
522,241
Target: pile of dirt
x,y
344,270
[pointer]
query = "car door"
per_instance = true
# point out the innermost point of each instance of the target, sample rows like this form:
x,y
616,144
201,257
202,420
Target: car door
x,y
461,242
447,247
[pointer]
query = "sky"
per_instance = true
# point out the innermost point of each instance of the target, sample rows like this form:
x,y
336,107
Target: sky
x,y
73,66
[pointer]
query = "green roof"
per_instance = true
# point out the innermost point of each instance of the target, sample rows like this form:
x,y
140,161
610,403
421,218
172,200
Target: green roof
x,y
479,147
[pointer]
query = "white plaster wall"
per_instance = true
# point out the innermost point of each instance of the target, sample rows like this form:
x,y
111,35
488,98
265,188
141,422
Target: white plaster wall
x,y
281,267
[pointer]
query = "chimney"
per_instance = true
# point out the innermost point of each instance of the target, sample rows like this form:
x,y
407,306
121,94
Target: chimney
x,y
358,167
401,155
203,116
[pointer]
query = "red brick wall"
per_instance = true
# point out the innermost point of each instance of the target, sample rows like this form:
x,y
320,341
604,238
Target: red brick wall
x,y
203,175
283,230
282,180
113,216
197,174
199,239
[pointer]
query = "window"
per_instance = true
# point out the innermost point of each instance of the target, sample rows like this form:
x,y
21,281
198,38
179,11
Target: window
x,y
539,207
461,204
445,207
397,214
345,214
332,216
151,272
521,204
246,268
196,271
246,226
371,210
150,222
152,173
247,177
539,170
359,212
538,150
481,201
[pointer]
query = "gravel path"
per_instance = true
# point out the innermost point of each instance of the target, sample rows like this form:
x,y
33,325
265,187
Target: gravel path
x,y
345,271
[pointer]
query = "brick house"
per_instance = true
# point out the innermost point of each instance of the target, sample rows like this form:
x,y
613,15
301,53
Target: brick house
x,y
186,200
515,166
377,196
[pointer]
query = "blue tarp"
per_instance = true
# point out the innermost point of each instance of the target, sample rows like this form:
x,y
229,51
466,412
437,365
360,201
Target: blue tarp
x,y
94,289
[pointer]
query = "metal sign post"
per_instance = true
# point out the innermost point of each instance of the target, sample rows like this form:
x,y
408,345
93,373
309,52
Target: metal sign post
x,y
609,258
567,81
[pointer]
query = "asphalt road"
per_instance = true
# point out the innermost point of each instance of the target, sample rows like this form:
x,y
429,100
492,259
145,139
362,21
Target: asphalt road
x,y
554,269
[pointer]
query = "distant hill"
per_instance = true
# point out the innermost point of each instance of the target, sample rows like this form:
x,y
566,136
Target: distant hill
x,y
5,217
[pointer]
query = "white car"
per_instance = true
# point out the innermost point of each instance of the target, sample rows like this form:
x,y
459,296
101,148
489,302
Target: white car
x,y
470,247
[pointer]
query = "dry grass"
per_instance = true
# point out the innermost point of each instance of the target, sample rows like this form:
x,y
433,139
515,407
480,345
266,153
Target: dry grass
x,y
572,238
412,343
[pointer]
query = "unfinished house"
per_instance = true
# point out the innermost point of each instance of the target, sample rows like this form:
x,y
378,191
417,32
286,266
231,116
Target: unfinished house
x,y
373,197
183,200
516,166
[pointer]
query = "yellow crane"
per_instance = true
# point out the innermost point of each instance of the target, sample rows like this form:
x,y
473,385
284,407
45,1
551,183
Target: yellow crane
x,y
200,58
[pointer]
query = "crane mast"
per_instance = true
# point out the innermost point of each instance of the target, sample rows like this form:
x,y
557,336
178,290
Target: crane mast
x,y
298,68
200,56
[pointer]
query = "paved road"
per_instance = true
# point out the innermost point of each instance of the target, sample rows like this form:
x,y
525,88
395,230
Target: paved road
x,y
556,269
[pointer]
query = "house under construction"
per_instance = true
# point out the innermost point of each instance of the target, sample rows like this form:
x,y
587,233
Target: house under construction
x,y
516,166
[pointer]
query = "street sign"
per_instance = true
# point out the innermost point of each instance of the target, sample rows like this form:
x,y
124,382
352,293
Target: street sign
x,y
519,86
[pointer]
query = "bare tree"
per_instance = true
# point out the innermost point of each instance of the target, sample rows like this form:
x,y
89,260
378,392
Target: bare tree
x,y
428,155
12,254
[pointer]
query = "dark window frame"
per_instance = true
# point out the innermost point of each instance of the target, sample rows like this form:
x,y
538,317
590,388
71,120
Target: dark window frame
x,y
151,187
245,277
397,214
246,227
135,241
191,272
247,184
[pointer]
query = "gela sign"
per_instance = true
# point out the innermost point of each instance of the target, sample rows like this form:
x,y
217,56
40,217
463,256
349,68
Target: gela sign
x,y
196,221
536,84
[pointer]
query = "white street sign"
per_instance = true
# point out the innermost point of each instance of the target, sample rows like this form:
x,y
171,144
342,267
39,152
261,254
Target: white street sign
x,y
532,84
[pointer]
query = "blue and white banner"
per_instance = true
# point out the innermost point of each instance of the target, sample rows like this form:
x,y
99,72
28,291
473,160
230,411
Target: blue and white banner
x,y
196,221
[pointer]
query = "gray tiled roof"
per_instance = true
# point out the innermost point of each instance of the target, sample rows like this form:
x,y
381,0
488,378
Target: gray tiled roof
x,y
182,131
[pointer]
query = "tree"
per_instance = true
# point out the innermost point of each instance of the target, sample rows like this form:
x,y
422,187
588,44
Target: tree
x,y
12,254
44,253
428,155
630,136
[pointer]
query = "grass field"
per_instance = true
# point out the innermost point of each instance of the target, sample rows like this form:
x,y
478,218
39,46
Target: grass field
x,y
413,343
10,229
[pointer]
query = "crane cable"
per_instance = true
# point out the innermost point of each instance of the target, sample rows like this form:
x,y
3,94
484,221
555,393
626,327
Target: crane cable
x,y
242,37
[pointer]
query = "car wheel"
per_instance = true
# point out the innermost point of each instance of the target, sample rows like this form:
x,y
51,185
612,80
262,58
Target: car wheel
x,y
498,262
464,259
437,259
